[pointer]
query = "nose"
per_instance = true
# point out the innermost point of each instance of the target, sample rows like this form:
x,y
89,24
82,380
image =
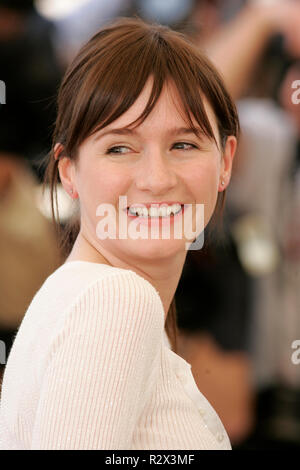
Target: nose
x,y
155,174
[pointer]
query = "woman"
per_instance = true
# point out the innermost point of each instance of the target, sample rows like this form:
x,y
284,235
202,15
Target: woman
x,y
142,115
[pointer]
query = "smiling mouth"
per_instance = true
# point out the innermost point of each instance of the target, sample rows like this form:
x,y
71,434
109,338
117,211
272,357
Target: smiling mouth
x,y
155,213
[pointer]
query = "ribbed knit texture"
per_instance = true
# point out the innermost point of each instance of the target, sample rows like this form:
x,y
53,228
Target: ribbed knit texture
x,y
91,368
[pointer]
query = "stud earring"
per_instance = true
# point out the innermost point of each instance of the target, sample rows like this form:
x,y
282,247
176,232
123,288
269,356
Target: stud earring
x,y
222,182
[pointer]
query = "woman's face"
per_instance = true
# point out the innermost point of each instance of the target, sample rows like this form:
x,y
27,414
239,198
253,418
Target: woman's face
x,y
158,162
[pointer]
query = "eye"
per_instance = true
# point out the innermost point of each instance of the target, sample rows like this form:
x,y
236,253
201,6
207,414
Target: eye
x,y
190,146
116,149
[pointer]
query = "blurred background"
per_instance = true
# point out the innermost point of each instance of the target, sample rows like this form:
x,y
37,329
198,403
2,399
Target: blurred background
x,y
238,301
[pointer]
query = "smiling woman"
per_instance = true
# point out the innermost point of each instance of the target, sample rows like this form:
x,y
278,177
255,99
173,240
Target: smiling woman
x,y
142,115
109,75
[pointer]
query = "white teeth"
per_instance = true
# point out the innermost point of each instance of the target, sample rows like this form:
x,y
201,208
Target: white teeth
x,y
163,211
155,211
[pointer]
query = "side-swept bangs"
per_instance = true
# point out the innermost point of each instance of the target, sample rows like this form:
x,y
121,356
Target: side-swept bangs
x,y
111,70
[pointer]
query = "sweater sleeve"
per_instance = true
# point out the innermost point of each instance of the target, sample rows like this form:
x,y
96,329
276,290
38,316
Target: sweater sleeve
x,y
95,383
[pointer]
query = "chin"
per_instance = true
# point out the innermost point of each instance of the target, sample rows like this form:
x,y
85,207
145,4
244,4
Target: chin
x,y
156,249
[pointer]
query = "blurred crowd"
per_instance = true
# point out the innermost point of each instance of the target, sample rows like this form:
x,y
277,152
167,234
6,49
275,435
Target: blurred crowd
x,y
242,343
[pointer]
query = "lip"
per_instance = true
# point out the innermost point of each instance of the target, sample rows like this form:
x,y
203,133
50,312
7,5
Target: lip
x,y
153,204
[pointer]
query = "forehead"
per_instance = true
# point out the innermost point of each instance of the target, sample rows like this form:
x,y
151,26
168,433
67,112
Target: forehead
x,y
167,113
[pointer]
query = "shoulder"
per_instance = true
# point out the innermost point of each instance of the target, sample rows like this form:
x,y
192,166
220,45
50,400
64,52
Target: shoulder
x,y
106,291
73,279
118,311
78,290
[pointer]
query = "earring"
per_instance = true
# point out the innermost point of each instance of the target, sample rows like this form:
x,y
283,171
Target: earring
x,y
222,182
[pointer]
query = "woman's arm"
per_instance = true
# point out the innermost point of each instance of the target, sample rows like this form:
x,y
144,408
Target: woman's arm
x,y
99,372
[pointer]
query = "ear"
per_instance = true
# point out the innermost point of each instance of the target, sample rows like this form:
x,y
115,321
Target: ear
x,y
66,170
227,161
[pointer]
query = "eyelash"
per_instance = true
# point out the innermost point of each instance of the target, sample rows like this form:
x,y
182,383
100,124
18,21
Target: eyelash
x,y
124,146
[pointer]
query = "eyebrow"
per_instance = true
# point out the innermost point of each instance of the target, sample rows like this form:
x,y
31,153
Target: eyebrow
x,y
171,132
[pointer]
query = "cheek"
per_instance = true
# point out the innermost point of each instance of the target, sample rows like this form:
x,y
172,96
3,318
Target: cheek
x,y
204,184
204,179
98,184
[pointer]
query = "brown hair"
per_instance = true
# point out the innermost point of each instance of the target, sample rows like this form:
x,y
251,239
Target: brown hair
x,y
105,79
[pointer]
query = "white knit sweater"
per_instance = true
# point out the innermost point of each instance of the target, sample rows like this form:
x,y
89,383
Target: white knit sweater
x,y
91,368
